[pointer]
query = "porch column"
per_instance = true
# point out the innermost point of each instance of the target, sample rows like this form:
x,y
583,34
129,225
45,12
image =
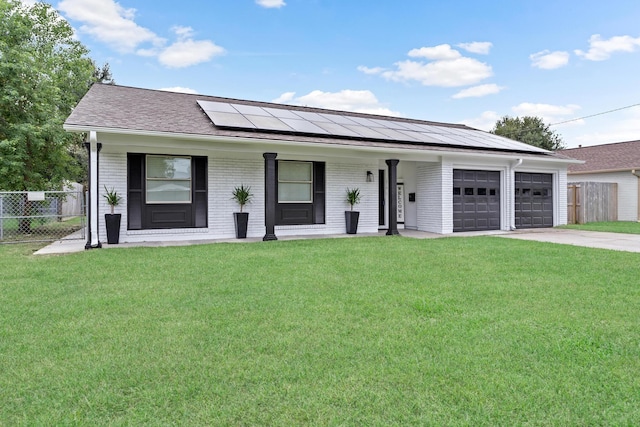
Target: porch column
x,y
93,149
393,196
270,181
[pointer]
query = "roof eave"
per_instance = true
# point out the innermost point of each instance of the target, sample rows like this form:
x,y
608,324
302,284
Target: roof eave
x,y
630,169
390,149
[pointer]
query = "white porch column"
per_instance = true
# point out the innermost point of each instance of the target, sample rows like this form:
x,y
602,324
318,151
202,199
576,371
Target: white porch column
x,y
93,148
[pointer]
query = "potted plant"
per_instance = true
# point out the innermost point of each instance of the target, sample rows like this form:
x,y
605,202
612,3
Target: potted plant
x,y
242,195
112,220
351,217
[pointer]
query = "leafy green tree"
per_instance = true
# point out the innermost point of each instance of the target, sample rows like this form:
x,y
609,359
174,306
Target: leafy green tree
x,y
44,72
530,130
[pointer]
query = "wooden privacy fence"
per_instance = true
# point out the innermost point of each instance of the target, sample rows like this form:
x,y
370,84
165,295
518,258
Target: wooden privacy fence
x,y
592,202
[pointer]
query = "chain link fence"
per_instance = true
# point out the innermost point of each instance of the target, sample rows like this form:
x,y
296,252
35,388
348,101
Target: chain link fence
x,y
41,216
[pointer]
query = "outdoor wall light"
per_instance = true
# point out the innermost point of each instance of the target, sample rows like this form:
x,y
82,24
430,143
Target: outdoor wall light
x,y
369,176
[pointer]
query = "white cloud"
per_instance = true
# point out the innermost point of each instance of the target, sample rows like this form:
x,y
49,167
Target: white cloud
x,y
186,51
486,121
285,98
367,70
114,25
445,67
361,101
547,60
110,23
478,91
179,89
600,49
449,73
271,3
481,48
440,52
548,112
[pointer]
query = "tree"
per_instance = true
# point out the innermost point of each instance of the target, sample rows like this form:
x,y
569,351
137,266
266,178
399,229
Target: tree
x,y
43,74
530,130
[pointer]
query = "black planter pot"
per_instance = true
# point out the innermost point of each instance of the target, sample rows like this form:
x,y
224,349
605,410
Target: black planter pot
x,y
112,221
241,220
351,219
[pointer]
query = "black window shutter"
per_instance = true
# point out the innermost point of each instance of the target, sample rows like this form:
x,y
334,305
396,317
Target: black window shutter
x,y
200,191
318,192
135,190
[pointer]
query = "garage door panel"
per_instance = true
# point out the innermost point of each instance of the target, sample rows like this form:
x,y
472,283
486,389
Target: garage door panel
x,y
476,200
533,200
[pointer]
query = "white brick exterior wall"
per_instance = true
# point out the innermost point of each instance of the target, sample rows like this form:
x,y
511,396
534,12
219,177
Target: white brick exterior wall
x,y
230,165
225,173
627,191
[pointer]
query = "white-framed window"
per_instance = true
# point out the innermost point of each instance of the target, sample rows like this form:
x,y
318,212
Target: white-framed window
x,y
168,179
295,182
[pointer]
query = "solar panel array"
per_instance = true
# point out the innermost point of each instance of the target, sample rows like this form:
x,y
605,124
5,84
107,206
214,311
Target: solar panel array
x,y
226,114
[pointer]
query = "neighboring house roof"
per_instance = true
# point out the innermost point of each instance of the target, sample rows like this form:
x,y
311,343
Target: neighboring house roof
x,y
122,109
620,156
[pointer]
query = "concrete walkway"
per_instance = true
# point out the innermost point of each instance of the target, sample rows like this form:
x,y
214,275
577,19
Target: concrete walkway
x,y
591,239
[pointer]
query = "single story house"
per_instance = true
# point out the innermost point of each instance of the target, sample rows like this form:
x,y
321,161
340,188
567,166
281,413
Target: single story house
x,y
611,163
175,158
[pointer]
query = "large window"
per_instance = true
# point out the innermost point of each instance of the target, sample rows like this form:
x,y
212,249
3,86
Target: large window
x,y
168,179
166,191
295,182
300,193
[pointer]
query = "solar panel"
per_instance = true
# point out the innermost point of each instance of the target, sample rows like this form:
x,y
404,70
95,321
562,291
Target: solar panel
x,y
223,107
343,120
235,120
312,117
227,114
304,126
336,129
395,135
250,109
283,114
268,123
363,121
421,136
366,132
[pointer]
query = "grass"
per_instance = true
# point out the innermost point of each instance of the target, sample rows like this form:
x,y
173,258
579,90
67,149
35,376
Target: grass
x,y
609,226
478,331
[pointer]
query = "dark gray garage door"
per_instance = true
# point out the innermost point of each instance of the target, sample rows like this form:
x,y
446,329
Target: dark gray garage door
x,y
476,200
534,200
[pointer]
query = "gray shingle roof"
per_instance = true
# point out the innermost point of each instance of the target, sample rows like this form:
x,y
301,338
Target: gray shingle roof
x,y
607,157
129,109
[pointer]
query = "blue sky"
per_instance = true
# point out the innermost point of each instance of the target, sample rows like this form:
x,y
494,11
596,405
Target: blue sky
x,y
452,61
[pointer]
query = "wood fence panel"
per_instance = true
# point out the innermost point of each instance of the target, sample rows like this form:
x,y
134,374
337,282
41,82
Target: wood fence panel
x,y
592,202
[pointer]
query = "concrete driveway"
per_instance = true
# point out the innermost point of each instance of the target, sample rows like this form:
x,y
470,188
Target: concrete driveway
x,y
590,239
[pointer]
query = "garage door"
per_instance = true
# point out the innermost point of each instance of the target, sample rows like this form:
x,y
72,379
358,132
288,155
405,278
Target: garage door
x,y
534,200
476,200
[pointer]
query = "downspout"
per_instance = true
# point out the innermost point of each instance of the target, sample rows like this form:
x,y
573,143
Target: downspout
x,y
633,171
512,197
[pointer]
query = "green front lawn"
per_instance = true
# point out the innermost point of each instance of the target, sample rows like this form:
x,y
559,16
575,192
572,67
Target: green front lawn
x,y
611,227
366,331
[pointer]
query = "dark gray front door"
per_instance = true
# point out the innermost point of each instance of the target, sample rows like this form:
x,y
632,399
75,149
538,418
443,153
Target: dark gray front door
x,y
534,200
476,200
